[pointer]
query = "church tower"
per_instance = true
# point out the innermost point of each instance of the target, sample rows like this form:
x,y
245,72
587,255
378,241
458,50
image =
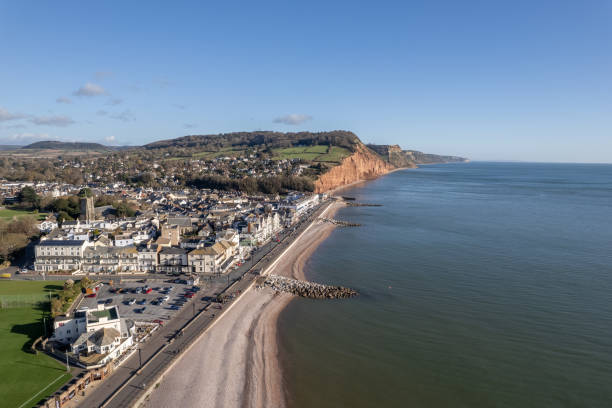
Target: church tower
x,y
87,209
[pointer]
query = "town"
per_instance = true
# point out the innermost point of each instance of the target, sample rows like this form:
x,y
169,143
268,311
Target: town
x,y
131,274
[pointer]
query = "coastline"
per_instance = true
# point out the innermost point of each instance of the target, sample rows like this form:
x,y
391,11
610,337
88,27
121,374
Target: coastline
x,y
236,363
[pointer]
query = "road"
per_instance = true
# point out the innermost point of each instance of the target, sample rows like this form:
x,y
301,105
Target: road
x,y
129,381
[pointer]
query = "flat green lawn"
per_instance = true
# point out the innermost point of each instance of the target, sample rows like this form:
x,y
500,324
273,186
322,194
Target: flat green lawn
x,y
27,378
9,214
319,153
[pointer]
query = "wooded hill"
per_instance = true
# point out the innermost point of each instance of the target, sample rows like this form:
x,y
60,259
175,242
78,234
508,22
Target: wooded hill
x,y
75,146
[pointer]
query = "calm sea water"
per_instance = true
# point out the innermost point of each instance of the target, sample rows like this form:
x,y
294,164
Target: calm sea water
x,y
482,285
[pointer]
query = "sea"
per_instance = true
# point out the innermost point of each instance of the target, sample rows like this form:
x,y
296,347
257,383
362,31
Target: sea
x,y
481,285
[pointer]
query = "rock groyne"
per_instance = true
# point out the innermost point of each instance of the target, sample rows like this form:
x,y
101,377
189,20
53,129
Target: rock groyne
x,y
339,223
310,290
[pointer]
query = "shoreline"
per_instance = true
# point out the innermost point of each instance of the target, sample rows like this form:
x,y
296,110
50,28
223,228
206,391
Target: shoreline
x,y
338,189
237,363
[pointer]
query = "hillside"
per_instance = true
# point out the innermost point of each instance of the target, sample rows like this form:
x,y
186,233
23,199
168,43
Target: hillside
x,y
265,139
252,162
428,158
410,158
72,146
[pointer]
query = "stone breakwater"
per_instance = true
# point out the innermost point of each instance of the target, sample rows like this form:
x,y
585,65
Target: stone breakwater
x,y
339,223
310,290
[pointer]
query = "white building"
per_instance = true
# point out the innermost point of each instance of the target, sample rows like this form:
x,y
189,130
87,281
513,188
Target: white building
x,y
68,329
47,226
96,336
302,204
59,255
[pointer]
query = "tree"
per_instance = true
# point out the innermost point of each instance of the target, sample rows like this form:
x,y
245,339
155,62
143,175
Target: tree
x,y
56,307
28,196
123,209
85,192
85,282
63,216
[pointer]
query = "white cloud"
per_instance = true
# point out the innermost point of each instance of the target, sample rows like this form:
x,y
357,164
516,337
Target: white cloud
x,y
109,139
293,119
6,115
60,121
90,89
63,99
115,101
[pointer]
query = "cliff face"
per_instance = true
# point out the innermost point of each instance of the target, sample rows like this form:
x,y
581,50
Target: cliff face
x,y
361,165
394,155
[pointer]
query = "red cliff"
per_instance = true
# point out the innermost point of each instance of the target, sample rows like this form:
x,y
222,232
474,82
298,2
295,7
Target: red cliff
x,y
363,164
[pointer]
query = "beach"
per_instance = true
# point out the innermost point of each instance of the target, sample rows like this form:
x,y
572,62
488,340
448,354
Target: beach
x,y
235,363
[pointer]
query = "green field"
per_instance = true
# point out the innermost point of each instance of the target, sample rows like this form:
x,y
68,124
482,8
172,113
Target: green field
x,y
9,214
318,153
28,378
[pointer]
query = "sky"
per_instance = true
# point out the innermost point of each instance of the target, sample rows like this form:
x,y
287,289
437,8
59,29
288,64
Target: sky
x,y
488,80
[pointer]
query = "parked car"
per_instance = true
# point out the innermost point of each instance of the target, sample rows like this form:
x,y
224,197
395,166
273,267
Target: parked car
x,y
108,301
131,301
158,321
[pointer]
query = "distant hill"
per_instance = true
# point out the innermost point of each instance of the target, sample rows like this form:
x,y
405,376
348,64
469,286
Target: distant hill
x,y
74,146
267,139
10,147
410,158
428,158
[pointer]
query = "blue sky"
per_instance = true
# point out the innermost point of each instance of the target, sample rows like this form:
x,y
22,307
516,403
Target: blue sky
x,y
490,80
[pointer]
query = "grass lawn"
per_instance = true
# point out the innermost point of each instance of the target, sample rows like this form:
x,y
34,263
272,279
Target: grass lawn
x,y
27,378
9,214
319,153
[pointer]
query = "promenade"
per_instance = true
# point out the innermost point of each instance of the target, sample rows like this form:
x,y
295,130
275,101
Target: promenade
x,y
130,381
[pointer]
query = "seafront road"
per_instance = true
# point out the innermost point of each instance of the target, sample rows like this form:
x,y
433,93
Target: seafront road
x,y
129,381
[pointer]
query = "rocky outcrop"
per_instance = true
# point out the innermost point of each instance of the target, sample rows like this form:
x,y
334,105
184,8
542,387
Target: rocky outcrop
x,y
427,158
310,290
363,164
410,158
394,155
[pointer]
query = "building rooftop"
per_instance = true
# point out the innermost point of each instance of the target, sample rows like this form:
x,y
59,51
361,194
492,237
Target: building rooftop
x,y
110,314
61,242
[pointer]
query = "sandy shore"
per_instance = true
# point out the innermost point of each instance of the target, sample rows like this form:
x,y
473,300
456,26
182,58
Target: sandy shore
x,y
235,363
